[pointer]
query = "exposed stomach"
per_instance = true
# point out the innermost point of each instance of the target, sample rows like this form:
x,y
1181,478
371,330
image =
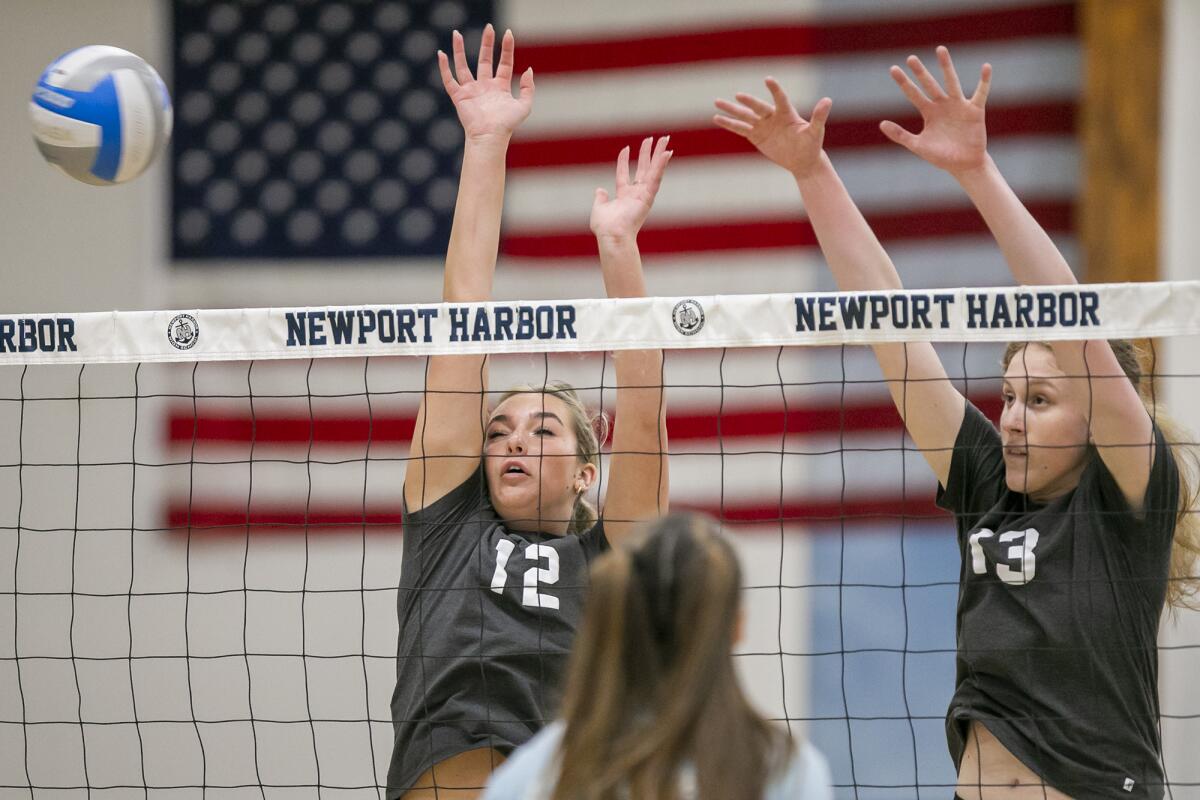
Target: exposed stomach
x,y
459,777
988,771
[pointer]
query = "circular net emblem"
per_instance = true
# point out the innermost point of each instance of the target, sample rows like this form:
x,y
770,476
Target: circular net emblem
x,y
688,316
183,331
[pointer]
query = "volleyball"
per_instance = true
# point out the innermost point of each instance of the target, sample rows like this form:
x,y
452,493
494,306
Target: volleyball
x,y
101,114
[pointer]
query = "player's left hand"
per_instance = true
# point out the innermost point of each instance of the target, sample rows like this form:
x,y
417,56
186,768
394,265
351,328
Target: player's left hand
x,y
954,137
621,216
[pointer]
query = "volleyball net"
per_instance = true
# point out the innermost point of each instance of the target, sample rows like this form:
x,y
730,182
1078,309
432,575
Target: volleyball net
x,y
200,519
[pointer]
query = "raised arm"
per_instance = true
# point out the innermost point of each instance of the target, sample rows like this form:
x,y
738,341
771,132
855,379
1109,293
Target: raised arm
x,y
930,405
954,138
447,440
637,478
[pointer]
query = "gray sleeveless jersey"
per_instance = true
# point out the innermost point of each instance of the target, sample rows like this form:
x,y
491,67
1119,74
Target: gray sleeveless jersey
x,y
1058,615
487,616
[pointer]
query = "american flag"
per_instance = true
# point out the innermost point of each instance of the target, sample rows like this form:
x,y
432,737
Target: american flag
x,y
319,130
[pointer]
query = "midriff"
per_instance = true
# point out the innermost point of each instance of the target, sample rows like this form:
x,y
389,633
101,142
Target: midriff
x,y
459,777
988,771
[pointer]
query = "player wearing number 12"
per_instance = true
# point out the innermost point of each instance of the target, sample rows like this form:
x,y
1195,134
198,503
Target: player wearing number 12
x,y
1072,517
497,533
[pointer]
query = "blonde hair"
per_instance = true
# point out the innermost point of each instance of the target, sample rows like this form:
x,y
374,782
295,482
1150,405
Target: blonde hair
x,y
591,430
1183,583
652,685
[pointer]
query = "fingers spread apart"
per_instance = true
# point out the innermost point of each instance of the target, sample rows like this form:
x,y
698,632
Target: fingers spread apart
x,y
930,91
929,84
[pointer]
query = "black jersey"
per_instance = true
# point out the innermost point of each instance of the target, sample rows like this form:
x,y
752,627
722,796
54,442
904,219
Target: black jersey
x,y
487,617
1058,612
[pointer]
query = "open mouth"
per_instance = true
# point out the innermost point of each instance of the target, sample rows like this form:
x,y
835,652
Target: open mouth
x,y
513,468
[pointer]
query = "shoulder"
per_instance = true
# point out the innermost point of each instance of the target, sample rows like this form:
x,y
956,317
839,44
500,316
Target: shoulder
x,y
977,443
975,480
1164,469
529,767
976,427
457,521
1098,488
806,776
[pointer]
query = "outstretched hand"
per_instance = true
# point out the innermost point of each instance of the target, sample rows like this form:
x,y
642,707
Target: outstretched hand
x,y
484,102
954,137
778,131
621,216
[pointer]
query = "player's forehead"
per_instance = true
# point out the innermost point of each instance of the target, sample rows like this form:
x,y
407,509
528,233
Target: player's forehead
x,y
1033,363
530,406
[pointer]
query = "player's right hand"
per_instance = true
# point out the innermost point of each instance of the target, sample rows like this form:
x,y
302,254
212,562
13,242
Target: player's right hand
x,y
484,101
954,136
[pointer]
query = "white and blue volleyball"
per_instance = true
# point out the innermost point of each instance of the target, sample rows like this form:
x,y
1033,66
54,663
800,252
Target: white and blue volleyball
x,y
101,114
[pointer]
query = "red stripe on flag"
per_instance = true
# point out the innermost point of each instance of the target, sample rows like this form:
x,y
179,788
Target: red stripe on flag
x,y
1033,119
813,39
1056,216
216,516
345,519
681,427
853,510
266,428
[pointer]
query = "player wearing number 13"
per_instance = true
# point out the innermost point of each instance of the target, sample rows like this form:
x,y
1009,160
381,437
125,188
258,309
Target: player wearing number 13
x,y
1071,517
498,534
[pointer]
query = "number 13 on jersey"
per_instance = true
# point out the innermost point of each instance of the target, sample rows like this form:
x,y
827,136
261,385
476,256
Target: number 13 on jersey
x,y
534,576
1019,551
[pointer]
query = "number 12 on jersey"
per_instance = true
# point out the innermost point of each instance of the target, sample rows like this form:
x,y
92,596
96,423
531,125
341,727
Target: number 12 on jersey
x,y
534,576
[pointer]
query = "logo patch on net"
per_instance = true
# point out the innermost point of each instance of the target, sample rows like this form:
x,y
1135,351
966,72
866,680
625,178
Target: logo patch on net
x,y
1128,784
183,332
688,317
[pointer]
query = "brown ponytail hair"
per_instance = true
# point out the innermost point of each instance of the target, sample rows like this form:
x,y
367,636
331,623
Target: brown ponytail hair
x,y
591,430
1183,585
652,685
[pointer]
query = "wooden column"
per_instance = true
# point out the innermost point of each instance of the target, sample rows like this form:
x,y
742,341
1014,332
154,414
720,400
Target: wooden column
x,y
1119,126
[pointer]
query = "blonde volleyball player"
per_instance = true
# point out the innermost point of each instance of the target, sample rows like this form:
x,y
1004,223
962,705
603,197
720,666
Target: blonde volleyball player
x,y
498,535
653,706
1070,516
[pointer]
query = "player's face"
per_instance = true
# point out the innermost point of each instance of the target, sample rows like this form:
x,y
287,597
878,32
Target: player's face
x,y
1045,434
531,462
